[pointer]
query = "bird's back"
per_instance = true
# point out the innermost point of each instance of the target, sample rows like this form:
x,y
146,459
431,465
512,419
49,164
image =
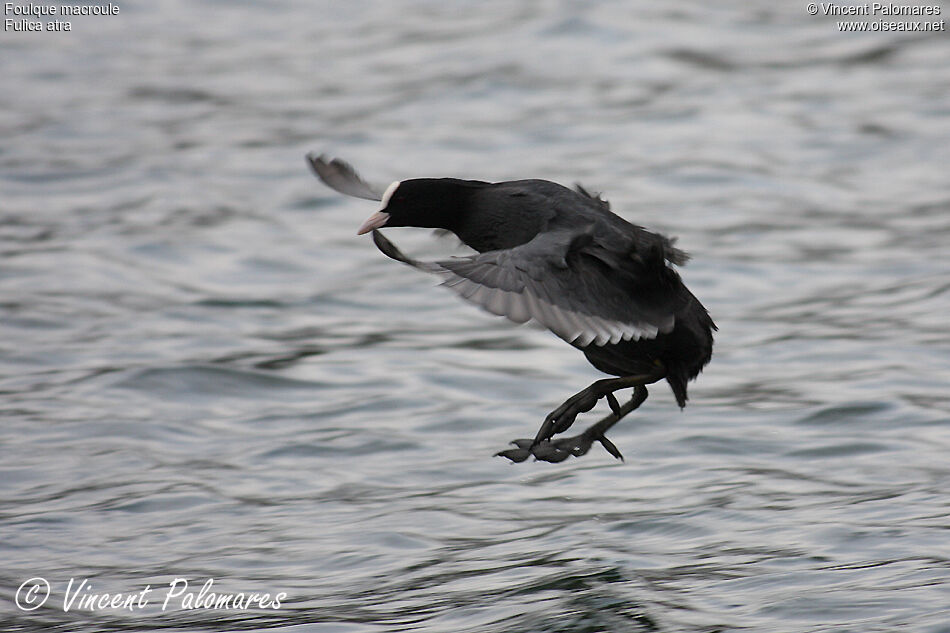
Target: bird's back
x,y
507,214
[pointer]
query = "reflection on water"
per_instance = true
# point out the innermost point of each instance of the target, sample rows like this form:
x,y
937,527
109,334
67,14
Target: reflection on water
x,y
207,375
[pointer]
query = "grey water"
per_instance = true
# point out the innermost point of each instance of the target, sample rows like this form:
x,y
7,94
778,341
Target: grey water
x,y
206,374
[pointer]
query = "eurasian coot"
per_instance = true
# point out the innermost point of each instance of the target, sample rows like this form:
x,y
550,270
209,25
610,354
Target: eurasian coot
x,y
561,258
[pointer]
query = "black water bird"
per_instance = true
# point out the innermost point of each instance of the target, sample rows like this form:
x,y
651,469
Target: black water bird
x,y
561,258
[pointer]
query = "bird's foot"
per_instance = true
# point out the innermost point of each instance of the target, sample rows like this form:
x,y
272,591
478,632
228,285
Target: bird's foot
x,y
558,450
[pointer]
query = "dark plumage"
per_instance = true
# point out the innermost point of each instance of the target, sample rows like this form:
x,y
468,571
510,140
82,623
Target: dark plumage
x,y
559,257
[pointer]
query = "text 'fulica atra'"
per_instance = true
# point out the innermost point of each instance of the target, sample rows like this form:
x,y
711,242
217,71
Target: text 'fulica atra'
x,y
561,258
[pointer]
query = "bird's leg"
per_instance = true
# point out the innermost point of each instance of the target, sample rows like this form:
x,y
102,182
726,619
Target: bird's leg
x,y
563,417
560,449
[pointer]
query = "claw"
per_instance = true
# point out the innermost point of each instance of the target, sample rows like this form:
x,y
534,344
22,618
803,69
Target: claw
x,y
610,447
614,405
516,455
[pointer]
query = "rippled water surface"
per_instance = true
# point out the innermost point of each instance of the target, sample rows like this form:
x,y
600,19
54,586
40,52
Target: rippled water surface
x,y
207,375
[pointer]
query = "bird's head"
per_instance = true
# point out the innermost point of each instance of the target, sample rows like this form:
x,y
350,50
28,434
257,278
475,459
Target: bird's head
x,y
424,202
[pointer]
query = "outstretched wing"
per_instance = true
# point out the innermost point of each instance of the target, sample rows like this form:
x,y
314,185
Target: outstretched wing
x,y
550,280
340,176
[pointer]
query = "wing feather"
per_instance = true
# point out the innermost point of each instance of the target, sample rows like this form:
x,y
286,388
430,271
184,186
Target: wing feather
x,y
339,175
538,281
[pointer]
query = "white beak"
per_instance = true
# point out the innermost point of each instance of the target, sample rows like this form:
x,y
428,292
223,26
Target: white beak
x,y
373,222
